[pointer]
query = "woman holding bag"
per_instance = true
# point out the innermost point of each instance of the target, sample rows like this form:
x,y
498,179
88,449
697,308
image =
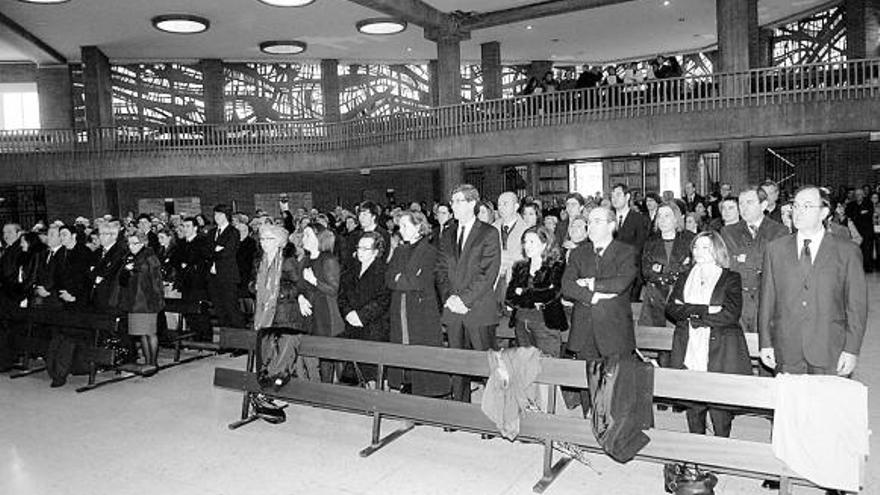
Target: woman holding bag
x,y
533,292
705,306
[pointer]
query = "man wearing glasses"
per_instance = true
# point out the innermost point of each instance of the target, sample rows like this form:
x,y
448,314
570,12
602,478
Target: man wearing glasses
x,y
814,306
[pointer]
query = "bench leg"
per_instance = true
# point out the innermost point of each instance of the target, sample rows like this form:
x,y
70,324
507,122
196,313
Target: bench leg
x,y
379,442
785,486
246,416
551,471
28,371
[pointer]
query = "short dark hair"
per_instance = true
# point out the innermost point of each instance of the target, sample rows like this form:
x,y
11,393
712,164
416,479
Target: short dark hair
x,y
369,206
191,220
225,210
146,216
378,241
577,196
623,187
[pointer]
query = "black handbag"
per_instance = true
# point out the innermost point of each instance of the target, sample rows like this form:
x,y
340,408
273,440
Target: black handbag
x,y
554,315
688,479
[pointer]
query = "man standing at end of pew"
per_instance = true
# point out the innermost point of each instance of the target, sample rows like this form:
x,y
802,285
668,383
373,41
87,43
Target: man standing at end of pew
x,y
599,277
814,296
467,268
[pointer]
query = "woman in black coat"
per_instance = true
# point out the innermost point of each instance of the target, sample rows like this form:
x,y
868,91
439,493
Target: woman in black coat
x,y
414,313
140,281
533,292
706,306
667,255
363,297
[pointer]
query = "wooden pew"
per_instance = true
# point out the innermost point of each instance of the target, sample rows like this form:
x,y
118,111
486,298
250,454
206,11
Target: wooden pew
x,y
739,457
180,338
92,325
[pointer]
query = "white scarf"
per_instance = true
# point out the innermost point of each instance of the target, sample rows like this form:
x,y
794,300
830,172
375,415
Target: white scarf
x,y
698,289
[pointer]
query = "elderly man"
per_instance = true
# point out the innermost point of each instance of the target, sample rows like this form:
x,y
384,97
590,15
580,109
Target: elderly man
x,y
814,297
11,290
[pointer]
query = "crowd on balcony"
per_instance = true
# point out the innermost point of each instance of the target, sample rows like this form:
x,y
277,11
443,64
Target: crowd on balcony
x,y
661,67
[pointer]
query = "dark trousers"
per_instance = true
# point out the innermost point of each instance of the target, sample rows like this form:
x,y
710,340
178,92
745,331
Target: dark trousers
x,y
721,420
461,336
59,357
224,298
531,331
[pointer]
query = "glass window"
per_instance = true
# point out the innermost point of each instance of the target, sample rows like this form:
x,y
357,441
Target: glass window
x,y
586,178
670,175
19,106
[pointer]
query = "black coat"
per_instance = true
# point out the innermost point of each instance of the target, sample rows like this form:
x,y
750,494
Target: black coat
x,y
367,296
191,262
728,352
11,289
48,275
542,288
141,283
75,271
660,273
104,278
224,252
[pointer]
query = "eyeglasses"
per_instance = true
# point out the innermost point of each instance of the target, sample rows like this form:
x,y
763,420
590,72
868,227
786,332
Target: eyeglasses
x,y
361,248
597,221
803,206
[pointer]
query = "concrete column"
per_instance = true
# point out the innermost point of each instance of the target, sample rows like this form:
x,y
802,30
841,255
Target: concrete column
x,y
433,83
862,28
534,179
451,175
330,89
449,70
105,198
214,80
735,164
765,48
490,62
56,100
538,68
737,22
98,87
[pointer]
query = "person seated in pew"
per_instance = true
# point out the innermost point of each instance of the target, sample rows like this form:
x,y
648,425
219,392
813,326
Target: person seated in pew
x,y
143,296
44,292
706,306
534,292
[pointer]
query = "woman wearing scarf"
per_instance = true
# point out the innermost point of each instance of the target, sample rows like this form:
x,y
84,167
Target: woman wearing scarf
x,y
705,306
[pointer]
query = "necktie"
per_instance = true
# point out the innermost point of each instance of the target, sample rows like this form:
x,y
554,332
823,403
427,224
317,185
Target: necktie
x,y
806,255
460,238
505,233
620,222
49,258
753,230
599,251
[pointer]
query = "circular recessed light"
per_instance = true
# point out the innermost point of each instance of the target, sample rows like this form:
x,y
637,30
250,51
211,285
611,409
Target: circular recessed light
x,y
44,2
381,25
287,3
283,47
529,27
181,23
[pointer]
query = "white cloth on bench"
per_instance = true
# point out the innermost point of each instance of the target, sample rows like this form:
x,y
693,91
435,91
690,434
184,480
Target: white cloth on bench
x,y
820,428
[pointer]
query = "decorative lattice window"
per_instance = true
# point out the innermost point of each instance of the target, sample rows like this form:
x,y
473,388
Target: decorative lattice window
x,y
376,90
513,79
471,83
148,96
78,94
821,37
273,93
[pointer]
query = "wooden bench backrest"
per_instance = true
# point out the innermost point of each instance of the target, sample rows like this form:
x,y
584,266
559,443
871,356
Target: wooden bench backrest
x,y
62,318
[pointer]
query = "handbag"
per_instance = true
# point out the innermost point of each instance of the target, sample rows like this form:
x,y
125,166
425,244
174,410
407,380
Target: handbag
x,y
688,479
554,315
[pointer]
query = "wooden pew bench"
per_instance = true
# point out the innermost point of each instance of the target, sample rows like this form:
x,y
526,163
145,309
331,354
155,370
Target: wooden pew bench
x,y
180,338
92,326
739,457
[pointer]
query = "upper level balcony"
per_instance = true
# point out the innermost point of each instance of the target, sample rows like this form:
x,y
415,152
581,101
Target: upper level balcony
x,y
817,99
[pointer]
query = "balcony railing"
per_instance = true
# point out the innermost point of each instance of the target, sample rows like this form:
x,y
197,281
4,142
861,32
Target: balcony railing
x,y
853,79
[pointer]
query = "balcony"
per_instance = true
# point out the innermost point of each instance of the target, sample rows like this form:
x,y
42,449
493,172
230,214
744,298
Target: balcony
x,y
720,106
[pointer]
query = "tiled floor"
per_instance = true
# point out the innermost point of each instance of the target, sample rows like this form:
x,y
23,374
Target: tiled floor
x,y
168,435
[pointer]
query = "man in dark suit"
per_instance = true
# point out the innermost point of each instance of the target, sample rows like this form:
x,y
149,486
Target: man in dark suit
x,y
48,272
598,278
774,209
223,275
861,212
746,242
191,262
444,223
691,198
104,276
814,297
467,268
632,228
574,206
368,220
11,291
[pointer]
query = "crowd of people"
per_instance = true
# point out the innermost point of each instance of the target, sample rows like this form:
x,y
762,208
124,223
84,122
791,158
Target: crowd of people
x,y
592,76
450,274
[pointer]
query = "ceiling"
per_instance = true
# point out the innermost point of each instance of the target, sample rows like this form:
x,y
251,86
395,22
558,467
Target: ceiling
x,y
122,30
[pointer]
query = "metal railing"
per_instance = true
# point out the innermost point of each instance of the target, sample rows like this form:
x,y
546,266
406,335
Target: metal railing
x,y
853,79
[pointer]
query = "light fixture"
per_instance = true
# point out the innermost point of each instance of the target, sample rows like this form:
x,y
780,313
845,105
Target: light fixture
x,y
181,23
283,47
381,25
44,2
529,27
287,3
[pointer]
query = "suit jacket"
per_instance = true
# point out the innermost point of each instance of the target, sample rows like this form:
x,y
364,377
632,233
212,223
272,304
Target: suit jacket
x,y
817,314
513,252
689,204
634,230
728,352
74,273
224,254
191,262
747,253
104,278
367,296
11,290
48,275
437,233
470,275
607,325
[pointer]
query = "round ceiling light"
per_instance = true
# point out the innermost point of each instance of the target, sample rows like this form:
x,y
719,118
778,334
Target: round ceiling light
x,y
287,3
181,23
44,2
281,47
381,25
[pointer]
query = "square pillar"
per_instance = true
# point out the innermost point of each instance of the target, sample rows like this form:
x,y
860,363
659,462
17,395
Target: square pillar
x,y
98,87
433,83
862,28
105,198
330,89
214,82
538,68
449,71
490,62
451,175
737,24
54,91
734,157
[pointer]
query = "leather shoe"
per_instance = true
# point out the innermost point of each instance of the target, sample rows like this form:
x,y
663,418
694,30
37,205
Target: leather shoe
x,y
406,388
58,382
770,484
449,430
486,436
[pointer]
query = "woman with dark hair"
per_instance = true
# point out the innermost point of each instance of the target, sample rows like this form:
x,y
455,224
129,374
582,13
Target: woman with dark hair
x,y
533,292
706,306
666,255
531,213
32,249
485,211
415,315
318,288
140,281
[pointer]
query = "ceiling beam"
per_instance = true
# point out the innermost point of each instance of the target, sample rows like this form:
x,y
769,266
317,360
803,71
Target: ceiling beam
x,y
546,8
36,49
412,11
